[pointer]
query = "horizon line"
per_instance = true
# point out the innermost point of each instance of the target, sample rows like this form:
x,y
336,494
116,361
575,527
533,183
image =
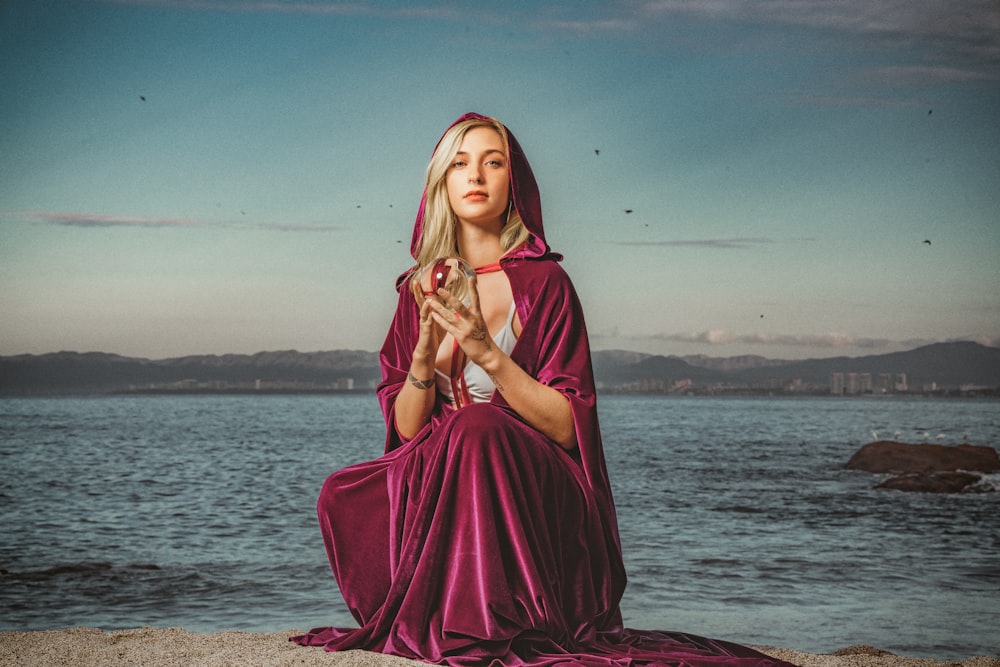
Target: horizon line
x,y
994,345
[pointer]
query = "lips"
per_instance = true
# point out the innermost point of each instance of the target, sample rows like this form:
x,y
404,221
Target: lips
x,y
476,195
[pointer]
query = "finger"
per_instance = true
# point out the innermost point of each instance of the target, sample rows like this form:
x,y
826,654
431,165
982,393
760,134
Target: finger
x,y
437,306
418,293
451,319
454,308
449,308
445,320
447,299
425,311
473,294
431,319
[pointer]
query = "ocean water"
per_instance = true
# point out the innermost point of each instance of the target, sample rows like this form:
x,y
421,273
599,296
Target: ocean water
x,y
738,518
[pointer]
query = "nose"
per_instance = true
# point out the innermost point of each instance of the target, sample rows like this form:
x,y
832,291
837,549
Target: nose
x,y
475,174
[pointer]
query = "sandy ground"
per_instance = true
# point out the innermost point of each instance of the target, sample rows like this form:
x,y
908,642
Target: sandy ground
x,y
162,647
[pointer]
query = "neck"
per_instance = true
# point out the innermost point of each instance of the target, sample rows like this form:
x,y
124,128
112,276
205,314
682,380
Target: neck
x,y
478,246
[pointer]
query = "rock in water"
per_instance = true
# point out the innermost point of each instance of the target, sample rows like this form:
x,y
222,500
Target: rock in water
x,y
933,482
885,456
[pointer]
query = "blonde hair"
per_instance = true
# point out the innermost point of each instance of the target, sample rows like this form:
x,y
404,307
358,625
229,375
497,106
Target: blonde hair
x,y
437,238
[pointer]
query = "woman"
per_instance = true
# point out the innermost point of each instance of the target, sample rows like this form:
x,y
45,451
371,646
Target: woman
x,y
487,531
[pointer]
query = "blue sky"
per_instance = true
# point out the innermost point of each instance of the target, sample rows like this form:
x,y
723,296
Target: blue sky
x,y
211,176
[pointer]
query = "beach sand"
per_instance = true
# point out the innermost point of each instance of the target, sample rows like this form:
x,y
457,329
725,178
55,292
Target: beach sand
x,y
176,647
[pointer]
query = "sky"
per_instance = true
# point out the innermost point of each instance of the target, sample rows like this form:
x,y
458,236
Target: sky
x,y
784,178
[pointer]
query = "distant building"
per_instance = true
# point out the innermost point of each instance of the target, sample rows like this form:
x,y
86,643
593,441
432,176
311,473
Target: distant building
x,y
796,386
851,384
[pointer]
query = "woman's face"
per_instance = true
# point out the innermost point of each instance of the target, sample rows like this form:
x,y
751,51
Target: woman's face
x,y
477,181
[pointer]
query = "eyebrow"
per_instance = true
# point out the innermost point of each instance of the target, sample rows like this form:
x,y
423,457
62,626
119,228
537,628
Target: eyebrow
x,y
492,150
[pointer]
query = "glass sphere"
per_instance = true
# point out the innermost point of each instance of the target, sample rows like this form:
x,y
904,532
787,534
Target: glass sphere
x,y
450,273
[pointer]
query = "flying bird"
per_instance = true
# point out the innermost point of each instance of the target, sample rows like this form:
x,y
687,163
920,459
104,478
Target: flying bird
x,y
927,241
628,210
142,97
597,151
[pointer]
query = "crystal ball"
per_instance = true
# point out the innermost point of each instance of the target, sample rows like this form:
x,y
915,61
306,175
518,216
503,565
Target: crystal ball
x,y
450,273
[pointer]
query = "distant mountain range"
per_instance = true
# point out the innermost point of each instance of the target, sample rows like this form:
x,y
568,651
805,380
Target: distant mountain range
x,y
99,373
943,366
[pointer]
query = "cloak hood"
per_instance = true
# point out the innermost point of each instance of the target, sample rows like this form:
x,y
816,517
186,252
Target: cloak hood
x,y
524,194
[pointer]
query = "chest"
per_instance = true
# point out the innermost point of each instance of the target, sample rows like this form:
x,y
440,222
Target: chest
x,y
495,299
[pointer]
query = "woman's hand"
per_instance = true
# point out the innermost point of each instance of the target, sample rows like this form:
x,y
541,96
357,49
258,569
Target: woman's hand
x,y
465,323
429,337
415,401
539,405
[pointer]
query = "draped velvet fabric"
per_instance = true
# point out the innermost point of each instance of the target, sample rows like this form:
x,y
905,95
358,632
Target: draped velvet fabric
x,y
480,541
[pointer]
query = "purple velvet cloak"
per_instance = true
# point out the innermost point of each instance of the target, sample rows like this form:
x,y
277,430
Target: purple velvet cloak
x,y
480,541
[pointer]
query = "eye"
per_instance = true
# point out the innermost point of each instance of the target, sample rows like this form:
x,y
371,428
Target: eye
x,y
458,163
495,163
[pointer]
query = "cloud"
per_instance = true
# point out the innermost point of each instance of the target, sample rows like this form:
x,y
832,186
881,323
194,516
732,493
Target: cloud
x,y
741,242
823,341
594,26
938,30
830,340
857,101
988,341
286,227
338,8
973,22
920,76
70,219
304,7
100,220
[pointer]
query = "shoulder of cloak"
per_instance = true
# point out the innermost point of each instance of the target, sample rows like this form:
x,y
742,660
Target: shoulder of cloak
x,y
553,346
